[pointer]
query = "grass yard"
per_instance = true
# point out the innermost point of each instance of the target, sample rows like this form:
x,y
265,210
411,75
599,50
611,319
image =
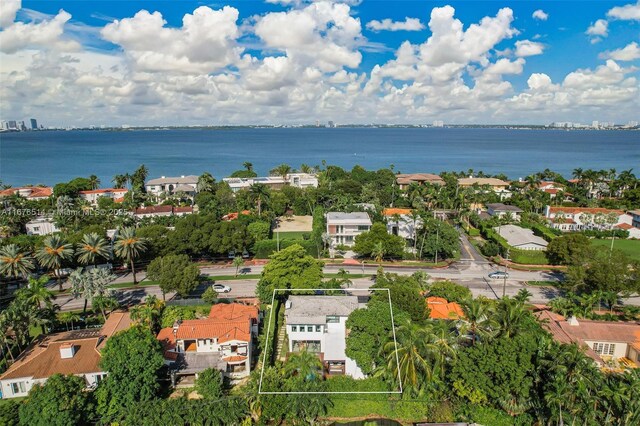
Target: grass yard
x,y
293,235
630,247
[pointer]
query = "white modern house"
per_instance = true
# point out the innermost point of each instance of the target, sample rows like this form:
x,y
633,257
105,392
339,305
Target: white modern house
x,y
41,226
92,196
400,222
344,227
582,218
521,238
318,324
74,352
298,180
501,210
170,185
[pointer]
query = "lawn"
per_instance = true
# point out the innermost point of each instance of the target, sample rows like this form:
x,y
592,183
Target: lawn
x,y
292,235
630,247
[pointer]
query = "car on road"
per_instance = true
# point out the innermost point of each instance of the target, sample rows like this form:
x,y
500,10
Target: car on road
x,y
496,275
245,254
231,255
220,288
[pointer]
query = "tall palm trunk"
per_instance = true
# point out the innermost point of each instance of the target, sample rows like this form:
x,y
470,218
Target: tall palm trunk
x,y
133,271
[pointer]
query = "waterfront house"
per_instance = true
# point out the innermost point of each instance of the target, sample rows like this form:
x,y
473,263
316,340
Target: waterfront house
x,y
501,210
158,211
612,343
498,186
92,196
222,341
165,186
74,352
298,180
344,227
405,179
521,238
583,218
318,324
41,226
400,222
32,193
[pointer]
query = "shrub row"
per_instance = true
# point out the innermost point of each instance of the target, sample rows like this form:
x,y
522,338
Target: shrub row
x,y
263,249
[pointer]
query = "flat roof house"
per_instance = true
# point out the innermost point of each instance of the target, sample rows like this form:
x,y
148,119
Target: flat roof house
x,y
41,226
318,324
521,238
74,352
298,180
615,343
222,341
344,227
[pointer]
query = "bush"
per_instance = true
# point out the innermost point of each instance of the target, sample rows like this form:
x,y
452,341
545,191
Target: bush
x,y
263,249
171,314
473,232
210,295
450,291
209,383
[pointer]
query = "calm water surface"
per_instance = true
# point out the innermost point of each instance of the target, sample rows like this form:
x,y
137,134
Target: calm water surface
x,y
51,157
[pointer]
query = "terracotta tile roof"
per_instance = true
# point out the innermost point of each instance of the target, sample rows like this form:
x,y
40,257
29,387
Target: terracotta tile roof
x,y
118,200
210,329
42,358
398,211
234,358
168,341
440,308
116,322
407,178
590,210
232,312
29,191
187,209
103,191
623,226
482,181
234,215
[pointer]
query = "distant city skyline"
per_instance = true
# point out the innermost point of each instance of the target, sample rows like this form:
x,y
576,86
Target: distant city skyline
x,y
111,63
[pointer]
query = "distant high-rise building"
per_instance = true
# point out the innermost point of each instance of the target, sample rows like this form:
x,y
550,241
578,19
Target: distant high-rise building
x,y
595,124
21,126
12,125
4,125
632,124
331,124
34,124
438,123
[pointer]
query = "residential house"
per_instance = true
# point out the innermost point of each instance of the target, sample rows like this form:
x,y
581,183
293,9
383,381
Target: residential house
x,y
298,180
498,186
401,222
222,341
318,324
611,343
584,218
501,210
157,211
405,179
521,238
74,352
29,192
553,189
635,218
440,308
164,186
344,227
41,226
92,196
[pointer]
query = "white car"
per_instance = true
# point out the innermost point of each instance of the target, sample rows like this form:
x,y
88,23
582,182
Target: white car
x,y
499,275
219,288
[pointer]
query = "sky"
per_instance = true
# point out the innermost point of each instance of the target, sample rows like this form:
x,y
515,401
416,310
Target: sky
x,y
179,62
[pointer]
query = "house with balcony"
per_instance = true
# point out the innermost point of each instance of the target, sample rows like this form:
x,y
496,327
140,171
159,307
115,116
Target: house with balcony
x,y
402,223
318,324
166,186
74,352
343,228
92,196
571,219
223,341
298,180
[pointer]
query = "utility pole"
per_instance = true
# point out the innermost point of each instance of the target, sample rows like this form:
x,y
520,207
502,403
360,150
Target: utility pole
x,y
504,284
435,260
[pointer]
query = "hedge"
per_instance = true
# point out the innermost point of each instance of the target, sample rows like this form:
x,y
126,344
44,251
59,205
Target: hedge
x,y
263,249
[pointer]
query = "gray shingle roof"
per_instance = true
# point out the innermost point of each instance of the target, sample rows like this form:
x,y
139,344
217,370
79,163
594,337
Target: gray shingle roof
x,y
314,309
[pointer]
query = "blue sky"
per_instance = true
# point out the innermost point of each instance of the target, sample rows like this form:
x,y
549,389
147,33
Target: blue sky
x,y
254,62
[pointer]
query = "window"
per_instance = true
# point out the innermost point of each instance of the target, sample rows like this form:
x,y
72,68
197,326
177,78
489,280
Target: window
x,y
100,377
318,328
333,319
363,227
294,328
604,348
309,329
18,387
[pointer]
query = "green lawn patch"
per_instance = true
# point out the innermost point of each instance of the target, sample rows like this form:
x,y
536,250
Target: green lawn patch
x,y
629,247
292,235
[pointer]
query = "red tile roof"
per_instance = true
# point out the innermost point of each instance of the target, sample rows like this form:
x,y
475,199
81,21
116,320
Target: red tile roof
x,y
623,226
440,308
34,191
213,329
590,210
104,191
233,312
398,211
234,215
234,358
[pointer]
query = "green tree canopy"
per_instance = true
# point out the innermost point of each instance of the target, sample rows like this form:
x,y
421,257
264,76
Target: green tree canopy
x,y
289,268
392,245
449,290
174,272
62,401
405,294
132,358
569,249
209,384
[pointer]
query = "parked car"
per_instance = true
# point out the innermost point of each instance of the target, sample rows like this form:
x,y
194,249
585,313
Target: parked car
x,y
232,255
220,288
245,254
499,275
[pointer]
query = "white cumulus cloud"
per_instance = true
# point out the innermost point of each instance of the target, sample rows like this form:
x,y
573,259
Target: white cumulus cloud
x,y
599,28
627,12
540,14
8,10
528,48
409,24
46,34
630,52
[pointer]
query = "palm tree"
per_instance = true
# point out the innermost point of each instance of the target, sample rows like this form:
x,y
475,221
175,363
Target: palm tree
x,y
129,247
69,317
149,312
247,165
54,252
90,284
120,181
91,248
94,181
260,193
282,170
6,337
238,262
15,263
205,182
104,302
305,168
510,317
378,252
305,364
477,319
523,295
37,293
